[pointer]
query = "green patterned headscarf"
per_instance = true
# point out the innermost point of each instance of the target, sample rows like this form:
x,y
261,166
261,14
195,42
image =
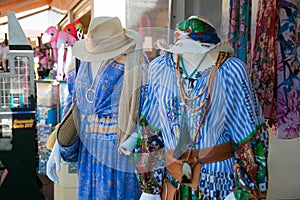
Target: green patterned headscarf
x,y
198,30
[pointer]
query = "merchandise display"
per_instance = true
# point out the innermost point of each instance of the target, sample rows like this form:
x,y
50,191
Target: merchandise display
x,y
18,144
60,43
205,117
43,133
138,101
49,98
111,63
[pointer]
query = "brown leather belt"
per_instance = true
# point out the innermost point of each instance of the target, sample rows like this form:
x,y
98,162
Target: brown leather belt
x,y
195,159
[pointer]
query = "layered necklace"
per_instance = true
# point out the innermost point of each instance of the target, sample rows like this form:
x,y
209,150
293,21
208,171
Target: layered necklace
x,y
90,93
184,135
183,96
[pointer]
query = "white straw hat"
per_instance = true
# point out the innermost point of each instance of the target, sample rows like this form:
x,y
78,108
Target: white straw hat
x,y
105,39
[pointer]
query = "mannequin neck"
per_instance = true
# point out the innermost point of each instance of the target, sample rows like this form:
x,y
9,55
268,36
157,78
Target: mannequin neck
x,y
191,61
95,66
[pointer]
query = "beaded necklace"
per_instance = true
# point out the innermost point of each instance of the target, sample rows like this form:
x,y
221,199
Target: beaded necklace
x,y
183,137
184,98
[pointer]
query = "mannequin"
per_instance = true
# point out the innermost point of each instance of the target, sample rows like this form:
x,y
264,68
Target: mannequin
x,y
99,96
192,60
198,97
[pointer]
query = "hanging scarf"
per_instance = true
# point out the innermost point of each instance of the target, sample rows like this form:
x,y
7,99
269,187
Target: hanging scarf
x,y
264,65
288,93
239,35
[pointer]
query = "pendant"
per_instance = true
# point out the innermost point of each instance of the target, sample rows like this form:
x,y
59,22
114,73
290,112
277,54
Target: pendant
x,y
186,173
90,95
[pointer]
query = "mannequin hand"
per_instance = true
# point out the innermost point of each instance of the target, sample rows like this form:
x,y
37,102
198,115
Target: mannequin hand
x,y
53,163
146,196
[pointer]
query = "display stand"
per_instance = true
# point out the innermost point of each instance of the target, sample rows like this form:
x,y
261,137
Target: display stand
x,y
18,148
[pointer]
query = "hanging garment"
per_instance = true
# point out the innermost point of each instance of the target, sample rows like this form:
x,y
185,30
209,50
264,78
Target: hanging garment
x,y
264,61
288,76
239,35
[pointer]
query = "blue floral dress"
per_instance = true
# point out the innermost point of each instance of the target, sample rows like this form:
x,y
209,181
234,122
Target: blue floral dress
x,y
103,173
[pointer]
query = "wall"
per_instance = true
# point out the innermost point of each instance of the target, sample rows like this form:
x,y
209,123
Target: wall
x,y
284,165
110,8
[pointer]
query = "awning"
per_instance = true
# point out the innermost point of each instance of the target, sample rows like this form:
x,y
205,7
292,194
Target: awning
x,y
17,6
34,16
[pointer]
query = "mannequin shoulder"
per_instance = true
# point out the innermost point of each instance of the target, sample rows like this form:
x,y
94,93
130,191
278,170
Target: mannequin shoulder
x,y
162,62
235,67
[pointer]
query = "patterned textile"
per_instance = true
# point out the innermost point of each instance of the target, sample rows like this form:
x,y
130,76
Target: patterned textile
x,y
239,35
234,114
288,76
149,158
197,30
103,173
264,65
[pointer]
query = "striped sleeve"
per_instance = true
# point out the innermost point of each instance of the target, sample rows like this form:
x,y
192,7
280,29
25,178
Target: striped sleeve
x,y
247,129
243,114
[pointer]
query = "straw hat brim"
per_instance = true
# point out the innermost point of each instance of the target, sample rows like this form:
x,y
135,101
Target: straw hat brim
x,y
79,51
190,46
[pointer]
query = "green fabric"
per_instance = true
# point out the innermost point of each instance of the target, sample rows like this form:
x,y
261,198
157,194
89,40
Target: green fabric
x,y
251,134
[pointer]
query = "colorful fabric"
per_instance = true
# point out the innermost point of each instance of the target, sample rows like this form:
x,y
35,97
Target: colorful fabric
x,y
103,173
197,30
149,158
264,64
239,35
250,173
288,76
234,114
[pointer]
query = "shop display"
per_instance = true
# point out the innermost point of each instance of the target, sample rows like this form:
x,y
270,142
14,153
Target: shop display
x,y
275,68
17,119
206,102
106,79
47,102
160,126
60,41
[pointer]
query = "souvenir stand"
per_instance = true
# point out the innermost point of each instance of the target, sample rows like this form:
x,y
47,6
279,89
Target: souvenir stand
x,y
18,143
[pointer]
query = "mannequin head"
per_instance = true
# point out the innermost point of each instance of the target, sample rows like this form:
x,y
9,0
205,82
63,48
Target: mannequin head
x,y
196,35
199,29
194,38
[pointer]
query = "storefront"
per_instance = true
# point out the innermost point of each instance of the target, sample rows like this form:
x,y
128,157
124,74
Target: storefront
x,y
250,27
